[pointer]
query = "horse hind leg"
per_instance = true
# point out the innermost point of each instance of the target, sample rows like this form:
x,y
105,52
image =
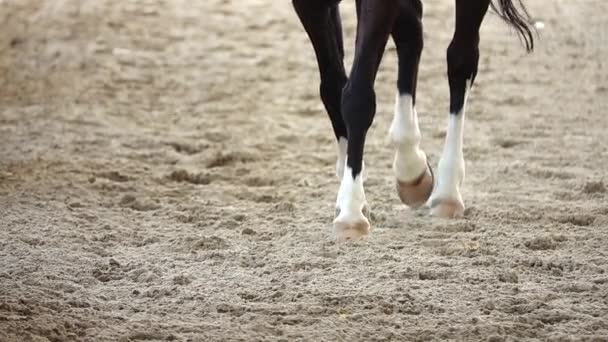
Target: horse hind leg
x,y
414,176
321,20
463,58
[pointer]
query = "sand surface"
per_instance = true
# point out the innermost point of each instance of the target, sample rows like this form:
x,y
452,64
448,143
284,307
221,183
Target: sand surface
x,y
167,174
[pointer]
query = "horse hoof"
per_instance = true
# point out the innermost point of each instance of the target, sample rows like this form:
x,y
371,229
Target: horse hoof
x,y
351,230
414,194
447,208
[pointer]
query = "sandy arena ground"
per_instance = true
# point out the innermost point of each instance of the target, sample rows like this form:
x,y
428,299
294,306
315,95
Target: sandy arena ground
x,y
167,174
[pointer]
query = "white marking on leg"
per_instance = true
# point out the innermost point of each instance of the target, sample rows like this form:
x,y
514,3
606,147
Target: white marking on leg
x,y
351,197
341,162
351,222
410,160
451,168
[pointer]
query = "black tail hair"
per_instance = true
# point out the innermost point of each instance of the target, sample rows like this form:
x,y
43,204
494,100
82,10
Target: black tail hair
x,y
516,18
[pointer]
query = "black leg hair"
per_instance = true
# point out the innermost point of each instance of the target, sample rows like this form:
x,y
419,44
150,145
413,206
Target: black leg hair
x,y
407,35
321,20
463,52
358,99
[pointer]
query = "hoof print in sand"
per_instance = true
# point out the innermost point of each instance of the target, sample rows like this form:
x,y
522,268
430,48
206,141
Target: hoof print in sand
x,y
594,188
222,159
248,231
507,143
508,277
549,174
114,176
143,276
577,287
134,203
192,178
185,148
209,243
107,273
256,197
432,274
148,336
285,207
458,227
259,181
465,248
541,243
581,220
182,279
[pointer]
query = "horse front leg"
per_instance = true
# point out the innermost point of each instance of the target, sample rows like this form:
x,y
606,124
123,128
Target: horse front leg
x,y
376,20
414,176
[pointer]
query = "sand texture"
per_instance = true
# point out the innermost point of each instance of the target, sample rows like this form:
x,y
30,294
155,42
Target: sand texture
x,y
167,174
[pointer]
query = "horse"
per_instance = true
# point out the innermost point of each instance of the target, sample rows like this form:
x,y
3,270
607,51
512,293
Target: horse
x,y
350,101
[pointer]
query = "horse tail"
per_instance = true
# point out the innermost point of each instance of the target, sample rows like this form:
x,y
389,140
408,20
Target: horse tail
x,y
519,19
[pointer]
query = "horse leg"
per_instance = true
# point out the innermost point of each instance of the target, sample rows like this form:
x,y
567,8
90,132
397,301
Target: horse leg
x,y
414,176
463,58
321,20
376,20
